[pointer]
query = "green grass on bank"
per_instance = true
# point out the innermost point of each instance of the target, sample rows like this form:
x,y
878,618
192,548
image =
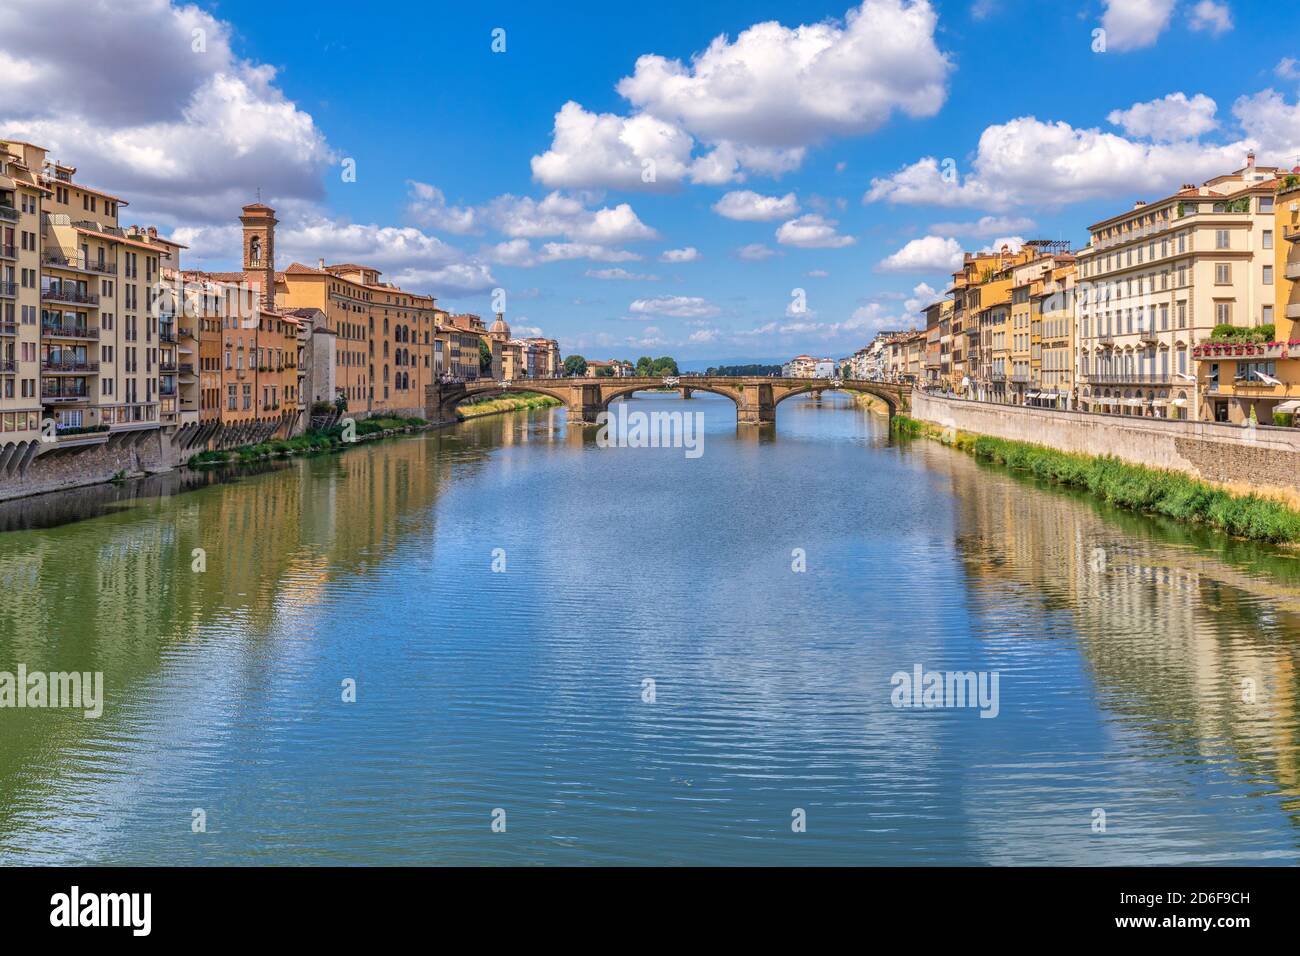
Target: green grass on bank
x,y
310,442
1149,490
515,401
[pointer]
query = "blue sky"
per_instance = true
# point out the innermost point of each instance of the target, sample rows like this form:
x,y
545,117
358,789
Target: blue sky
x,y
835,121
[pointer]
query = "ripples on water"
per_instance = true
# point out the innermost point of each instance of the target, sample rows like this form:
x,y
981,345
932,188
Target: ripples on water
x,y
1121,643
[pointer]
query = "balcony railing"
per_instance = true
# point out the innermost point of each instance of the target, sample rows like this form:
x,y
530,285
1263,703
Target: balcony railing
x,y
59,330
69,295
1128,378
9,289
8,252
185,368
65,367
8,328
63,391
9,213
60,261
167,366
1293,270
8,366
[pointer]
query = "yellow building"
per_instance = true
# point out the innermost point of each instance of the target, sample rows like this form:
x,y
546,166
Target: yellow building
x,y
1241,378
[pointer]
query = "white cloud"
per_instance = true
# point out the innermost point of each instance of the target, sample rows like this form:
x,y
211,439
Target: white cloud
x,y
780,87
984,226
1272,124
1134,24
687,254
1211,16
817,274
429,206
1168,120
750,206
754,104
929,254
619,274
184,136
1011,243
923,294
755,252
676,306
703,336
558,214
1288,68
519,252
812,232
925,183
607,151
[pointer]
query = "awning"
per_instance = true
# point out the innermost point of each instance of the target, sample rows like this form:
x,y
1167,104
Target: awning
x,y
1179,402
1288,408
1135,401
1032,395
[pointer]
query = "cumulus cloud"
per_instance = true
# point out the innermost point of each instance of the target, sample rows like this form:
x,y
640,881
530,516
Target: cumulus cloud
x,y
556,214
675,306
520,252
750,206
928,254
607,151
812,231
687,254
429,205
923,295
1134,24
1288,68
1210,16
755,252
1272,124
1167,120
123,96
925,182
754,104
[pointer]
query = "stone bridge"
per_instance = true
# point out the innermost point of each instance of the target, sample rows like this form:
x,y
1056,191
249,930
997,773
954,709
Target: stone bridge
x,y
756,398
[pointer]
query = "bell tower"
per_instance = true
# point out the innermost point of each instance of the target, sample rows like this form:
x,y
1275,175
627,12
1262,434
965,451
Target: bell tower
x,y
259,249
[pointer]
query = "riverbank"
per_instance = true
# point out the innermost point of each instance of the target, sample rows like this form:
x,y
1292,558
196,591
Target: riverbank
x,y
516,402
312,442
1136,487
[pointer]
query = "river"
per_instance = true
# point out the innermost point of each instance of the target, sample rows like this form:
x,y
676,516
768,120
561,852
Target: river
x,y
571,654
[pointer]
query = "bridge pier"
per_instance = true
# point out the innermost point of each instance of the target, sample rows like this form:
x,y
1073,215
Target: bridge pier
x,y
585,404
756,406
686,392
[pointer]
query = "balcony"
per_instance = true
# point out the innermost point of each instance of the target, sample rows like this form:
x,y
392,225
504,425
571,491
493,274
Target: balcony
x,y
1019,378
8,289
1147,334
8,252
9,213
73,296
185,368
56,390
1128,378
1293,270
8,366
8,328
68,367
1217,351
57,260
166,392
56,330
167,367
166,335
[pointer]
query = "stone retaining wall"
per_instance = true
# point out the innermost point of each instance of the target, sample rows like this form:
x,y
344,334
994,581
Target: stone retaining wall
x,y
1264,457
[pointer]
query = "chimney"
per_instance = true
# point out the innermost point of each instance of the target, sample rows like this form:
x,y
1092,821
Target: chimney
x,y
1139,204
320,264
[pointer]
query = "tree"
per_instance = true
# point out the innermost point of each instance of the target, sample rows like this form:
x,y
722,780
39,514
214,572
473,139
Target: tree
x,y
575,365
604,371
645,366
665,365
484,358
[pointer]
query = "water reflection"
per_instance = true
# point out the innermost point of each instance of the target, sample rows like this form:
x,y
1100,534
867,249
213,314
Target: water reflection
x,y
1124,645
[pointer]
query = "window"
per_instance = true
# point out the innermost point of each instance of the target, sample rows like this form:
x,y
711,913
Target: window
x,y
1268,315
231,399
1265,203
1268,238
1221,239
1222,273
1268,275
1223,313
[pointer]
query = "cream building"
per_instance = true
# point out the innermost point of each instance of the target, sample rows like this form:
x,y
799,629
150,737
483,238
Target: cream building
x,y
1156,279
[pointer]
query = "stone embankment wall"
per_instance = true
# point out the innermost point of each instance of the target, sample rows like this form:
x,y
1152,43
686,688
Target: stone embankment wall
x,y
69,464
1263,457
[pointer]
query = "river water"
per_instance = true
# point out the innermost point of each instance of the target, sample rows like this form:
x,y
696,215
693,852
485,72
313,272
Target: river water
x,y
564,653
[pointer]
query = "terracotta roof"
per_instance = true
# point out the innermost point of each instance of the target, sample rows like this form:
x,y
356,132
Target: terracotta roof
x,y
298,269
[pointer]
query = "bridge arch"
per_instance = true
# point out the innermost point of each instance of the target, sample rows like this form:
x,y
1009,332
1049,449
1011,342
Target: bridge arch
x,y
690,384
890,400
